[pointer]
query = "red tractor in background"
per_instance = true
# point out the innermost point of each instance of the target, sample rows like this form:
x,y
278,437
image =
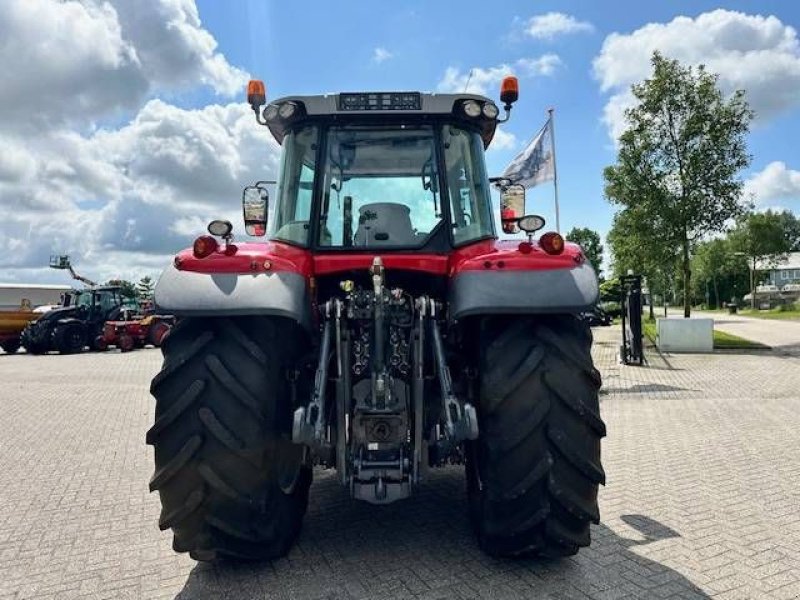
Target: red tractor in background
x,y
383,330
136,332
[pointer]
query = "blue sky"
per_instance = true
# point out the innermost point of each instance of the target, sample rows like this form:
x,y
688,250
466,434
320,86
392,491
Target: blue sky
x,y
146,135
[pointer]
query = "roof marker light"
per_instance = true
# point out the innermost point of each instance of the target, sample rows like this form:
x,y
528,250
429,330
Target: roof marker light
x,y
256,94
509,90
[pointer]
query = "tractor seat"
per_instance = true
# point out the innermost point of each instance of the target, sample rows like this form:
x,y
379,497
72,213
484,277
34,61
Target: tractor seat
x,y
385,224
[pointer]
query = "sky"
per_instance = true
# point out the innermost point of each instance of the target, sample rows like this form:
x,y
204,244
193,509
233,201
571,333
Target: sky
x,y
123,126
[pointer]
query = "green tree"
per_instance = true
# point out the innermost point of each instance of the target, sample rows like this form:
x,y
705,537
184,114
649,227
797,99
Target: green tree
x,y
711,262
791,230
762,238
589,240
145,288
680,156
128,287
637,245
611,290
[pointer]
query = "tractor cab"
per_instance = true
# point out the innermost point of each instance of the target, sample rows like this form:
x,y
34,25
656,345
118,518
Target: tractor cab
x,y
98,301
387,170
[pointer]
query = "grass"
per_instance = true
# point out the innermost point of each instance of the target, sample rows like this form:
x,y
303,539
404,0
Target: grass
x,y
774,313
649,330
728,341
722,340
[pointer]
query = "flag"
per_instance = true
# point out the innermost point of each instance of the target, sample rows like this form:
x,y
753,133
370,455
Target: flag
x,y
535,164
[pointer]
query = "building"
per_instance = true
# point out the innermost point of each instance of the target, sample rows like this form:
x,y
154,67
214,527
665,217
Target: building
x,y
784,272
15,295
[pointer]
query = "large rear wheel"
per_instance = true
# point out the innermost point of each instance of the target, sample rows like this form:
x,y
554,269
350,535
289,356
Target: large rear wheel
x,y
533,474
69,338
157,332
231,482
10,346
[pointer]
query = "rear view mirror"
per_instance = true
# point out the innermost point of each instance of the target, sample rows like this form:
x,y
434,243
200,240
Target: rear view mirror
x,y
255,202
512,207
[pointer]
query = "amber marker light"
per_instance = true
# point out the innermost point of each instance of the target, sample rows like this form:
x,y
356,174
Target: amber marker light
x,y
509,90
256,93
552,243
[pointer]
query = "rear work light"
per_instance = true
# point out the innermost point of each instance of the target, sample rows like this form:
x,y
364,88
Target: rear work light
x,y
204,246
552,243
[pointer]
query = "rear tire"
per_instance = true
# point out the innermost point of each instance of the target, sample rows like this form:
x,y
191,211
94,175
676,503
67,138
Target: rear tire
x,y
125,343
10,346
30,346
158,331
533,474
69,338
231,482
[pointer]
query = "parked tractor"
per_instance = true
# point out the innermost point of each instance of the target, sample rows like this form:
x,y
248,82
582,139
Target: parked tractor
x,y
136,332
77,323
382,331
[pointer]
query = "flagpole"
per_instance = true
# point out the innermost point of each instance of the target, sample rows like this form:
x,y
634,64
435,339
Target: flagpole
x,y
555,171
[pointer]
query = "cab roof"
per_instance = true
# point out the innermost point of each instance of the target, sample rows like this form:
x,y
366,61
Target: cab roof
x,y
377,107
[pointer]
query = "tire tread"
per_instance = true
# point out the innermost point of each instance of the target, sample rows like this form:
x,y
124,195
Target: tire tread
x,y
535,469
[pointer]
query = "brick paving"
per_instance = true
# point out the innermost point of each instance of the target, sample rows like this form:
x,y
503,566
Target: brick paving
x,y
702,458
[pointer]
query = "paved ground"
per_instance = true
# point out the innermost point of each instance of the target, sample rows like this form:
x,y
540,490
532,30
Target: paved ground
x,y
702,457
782,335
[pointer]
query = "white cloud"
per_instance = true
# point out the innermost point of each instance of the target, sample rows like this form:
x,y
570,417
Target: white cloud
x,y
141,190
174,48
121,201
64,59
380,55
75,62
485,81
546,64
553,24
758,54
775,183
503,140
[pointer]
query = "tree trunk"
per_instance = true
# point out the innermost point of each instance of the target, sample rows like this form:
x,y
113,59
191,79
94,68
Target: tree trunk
x,y
687,280
753,285
716,292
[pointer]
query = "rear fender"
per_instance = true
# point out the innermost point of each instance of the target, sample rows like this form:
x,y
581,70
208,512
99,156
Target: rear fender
x,y
255,283
506,281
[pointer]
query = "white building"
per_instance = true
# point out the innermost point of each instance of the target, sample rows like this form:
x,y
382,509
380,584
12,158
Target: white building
x,y
781,273
15,295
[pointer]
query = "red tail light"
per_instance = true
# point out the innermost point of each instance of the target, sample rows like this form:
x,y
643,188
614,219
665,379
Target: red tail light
x,y
204,246
552,243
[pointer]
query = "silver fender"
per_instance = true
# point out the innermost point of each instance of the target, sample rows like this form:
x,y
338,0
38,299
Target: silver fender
x,y
193,294
523,292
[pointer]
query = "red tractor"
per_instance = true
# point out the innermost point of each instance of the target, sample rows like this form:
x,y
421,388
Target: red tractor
x,y
136,332
383,330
